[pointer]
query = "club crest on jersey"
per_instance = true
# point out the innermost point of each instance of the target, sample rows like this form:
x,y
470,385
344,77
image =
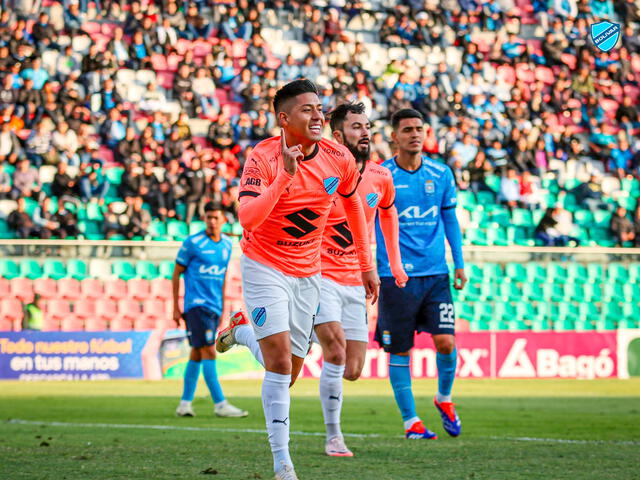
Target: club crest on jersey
x,y
259,316
429,187
386,337
331,185
208,335
372,200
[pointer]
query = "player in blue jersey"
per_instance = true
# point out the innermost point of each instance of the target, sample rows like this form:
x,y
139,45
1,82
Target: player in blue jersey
x,y
203,259
426,202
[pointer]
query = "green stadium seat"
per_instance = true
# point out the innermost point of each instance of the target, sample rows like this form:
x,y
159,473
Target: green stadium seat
x,y
627,202
537,216
471,293
564,324
123,269
483,311
491,271
613,293
146,270
557,273
584,325
489,291
77,269
475,272
516,325
498,236
630,185
500,216
617,272
550,184
602,218
479,326
595,272
481,218
533,292
592,292
177,230
158,230
465,311
227,229
504,311
466,199
584,218
30,205
94,212
515,273
525,311
30,269
577,273
476,236
521,236
510,292
574,292
589,311
569,202
196,227
536,273
540,325
629,323
634,272
612,311
54,269
631,309
5,231
485,198
493,182
9,269
606,324
496,324
602,237
522,217
236,230
114,175
553,292
90,230
547,311
166,268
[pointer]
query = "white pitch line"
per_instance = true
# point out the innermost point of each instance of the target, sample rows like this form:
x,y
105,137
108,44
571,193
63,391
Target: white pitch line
x,y
18,421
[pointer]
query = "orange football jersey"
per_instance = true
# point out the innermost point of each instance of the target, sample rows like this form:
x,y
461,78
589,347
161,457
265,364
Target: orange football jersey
x,y
289,239
338,253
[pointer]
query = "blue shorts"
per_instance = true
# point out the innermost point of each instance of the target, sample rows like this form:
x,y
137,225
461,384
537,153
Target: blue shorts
x,y
424,305
202,324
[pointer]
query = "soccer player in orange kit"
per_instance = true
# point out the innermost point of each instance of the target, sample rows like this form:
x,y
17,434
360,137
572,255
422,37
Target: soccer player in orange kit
x,y
286,192
341,323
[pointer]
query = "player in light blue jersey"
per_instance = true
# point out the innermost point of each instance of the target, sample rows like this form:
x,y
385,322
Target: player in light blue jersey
x,y
203,259
426,202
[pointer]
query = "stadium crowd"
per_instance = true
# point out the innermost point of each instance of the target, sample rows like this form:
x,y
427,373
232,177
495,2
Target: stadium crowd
x,y
148,110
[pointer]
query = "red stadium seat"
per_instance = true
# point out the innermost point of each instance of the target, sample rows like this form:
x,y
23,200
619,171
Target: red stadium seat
x,y
95,324
92,27
115,288
11,309
183,45
569,60
71,323
159,62
6,324
610,107
545,74
154,309
5,287
173,61
51,324
507,74
121,325
22,289
84,309
239,49
160,288
201,48
524,73
59,309
106,309
165,79
128,308
138,288
91,288
144,323
69,288
45,287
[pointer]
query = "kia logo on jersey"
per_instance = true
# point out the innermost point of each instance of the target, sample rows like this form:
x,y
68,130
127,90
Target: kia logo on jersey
x,y
212,270
372,199
331,185
415,212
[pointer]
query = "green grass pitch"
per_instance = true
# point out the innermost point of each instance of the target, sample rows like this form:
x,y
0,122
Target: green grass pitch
x,y
512,429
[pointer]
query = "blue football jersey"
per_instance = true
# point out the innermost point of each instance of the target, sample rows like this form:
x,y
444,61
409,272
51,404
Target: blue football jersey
x,y
421,195
206,264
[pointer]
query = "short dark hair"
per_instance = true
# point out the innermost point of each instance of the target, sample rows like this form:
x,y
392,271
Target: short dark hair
x,y
339,114
404,113
292,90
213,207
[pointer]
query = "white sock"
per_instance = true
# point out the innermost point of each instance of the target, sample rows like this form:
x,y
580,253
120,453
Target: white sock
x,y
443,398
245,335
275,402
410,422
220,404
331,397
185,403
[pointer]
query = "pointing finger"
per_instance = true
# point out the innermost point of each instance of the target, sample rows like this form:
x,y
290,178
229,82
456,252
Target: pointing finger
x,y
283,140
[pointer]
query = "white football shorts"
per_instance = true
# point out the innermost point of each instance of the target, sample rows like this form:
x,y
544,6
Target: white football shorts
x,y
344,304
280,303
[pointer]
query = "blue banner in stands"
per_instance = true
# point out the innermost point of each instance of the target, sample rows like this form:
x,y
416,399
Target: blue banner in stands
x,y
76,355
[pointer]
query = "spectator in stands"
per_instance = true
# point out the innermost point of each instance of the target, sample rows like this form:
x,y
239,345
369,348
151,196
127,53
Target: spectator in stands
x,y
20,221
93,182
546,230
510,189
205,90
10,149
621,159
5,183
64,186
129,182
590,195
139,52
128,147
234,26
195,183
26,182
530,195
45,220
221,133
113,129
314,29
622,229
112,223
636,223
289,70
139,220
149,190
183,90
466,149
109,96
33,315
175,16
65,142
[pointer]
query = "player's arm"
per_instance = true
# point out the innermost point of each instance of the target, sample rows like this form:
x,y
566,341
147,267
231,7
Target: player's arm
x,y
453,233
257,196
358,226
388,215
175,288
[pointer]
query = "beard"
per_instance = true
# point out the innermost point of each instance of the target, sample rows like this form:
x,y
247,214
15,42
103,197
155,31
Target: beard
x,y
359,154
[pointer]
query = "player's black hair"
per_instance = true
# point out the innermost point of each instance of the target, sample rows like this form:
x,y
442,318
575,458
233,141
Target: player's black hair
x,y
213,207
292,90
339,114
405,113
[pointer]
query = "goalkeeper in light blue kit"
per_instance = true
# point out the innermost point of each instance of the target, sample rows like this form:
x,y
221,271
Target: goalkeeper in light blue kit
x,y
426,201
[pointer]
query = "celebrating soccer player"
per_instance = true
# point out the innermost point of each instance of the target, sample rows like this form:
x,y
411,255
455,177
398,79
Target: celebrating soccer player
x,y
203,259
341,322
288,186
426,201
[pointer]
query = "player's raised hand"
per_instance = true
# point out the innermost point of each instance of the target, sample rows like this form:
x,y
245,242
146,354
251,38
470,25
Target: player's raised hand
x,y
290,155
401,277
371,283
459,279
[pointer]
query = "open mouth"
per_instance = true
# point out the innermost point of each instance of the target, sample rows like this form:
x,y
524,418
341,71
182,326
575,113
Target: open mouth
x,y
317,129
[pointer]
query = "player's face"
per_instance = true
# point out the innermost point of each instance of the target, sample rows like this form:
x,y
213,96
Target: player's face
x,y
303,121
214,221
409,136
356,135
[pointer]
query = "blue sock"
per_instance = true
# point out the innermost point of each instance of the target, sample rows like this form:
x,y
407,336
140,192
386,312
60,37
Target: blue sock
x,y
191,375
446,374
400,377
211,377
